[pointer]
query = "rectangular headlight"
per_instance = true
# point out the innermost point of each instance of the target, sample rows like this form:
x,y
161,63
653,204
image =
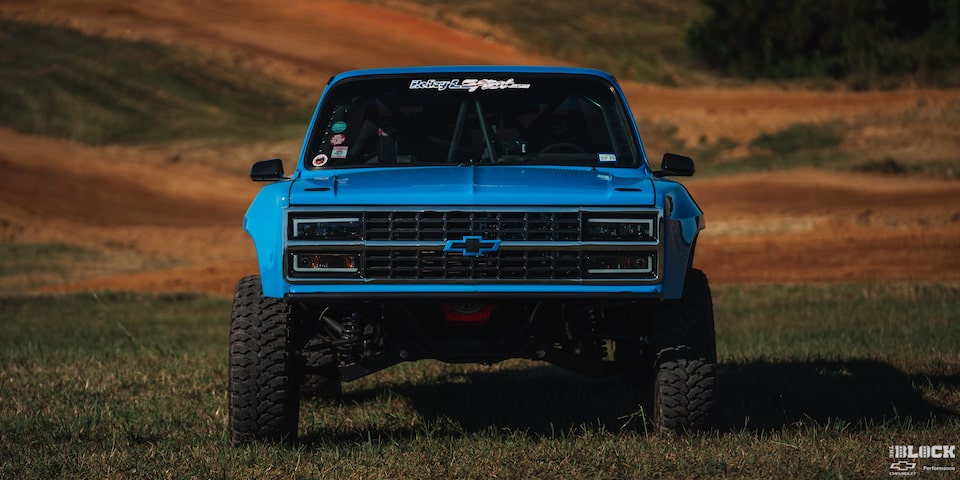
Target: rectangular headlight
x,y
329,228
620,229
325,263
636,263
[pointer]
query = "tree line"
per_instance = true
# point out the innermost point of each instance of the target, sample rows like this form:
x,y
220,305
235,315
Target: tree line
x,y
857,40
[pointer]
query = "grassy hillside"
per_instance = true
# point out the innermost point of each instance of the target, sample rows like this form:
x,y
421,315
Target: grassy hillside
x,y
58,82
863,44
640,40
61,83
816,382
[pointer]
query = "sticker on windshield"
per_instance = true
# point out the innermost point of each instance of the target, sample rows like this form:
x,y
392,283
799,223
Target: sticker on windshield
x,y
469,84
607,157
320,160
338,139
338,127
339,152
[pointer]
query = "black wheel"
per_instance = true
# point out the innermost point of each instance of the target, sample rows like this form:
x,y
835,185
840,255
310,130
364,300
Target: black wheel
x,y
264,402
685,366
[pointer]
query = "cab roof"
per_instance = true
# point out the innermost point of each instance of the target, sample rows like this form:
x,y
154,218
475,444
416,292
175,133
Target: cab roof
x,y
474,69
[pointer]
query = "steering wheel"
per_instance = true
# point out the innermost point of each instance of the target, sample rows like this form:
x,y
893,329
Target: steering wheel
x,y
564,147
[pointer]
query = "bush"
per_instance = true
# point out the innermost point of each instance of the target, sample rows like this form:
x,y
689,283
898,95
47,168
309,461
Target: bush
x,y
829,38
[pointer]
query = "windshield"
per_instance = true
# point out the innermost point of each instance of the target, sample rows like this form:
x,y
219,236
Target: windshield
x,y
472,120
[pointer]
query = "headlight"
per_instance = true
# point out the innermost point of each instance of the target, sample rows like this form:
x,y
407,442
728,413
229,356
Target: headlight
x,y
620,229
328,228
306,263
636,263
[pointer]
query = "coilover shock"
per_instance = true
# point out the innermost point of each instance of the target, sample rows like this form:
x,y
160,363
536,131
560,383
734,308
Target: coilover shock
x,y
599,346
351,333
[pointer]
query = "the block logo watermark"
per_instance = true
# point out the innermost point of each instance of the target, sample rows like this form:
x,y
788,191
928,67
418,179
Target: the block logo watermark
x,y
923,451
905,459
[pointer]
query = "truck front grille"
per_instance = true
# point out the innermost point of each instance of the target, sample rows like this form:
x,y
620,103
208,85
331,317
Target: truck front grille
x,y
439,225
380,245
505,265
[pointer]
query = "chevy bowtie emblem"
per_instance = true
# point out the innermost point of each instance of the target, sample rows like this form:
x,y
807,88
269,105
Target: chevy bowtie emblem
x,y
472,246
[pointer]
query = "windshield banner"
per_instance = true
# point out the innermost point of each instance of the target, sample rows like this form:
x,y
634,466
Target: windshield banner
x,y
469,84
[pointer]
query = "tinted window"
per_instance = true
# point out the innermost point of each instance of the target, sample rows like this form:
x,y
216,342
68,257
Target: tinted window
x,y
480,120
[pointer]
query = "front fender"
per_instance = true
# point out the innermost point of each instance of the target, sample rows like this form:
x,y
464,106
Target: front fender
x,y
682,222
264,223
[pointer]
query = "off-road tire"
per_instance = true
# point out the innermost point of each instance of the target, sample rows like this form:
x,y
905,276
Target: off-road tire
x,y
685,366
264,403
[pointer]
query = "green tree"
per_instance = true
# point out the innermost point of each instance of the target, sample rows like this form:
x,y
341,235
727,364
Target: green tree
x,y
835,38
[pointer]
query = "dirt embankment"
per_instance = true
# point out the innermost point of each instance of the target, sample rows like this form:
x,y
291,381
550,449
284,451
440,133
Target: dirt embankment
x,y
797,226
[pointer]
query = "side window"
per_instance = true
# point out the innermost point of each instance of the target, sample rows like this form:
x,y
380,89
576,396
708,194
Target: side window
x,y
596,126
352,134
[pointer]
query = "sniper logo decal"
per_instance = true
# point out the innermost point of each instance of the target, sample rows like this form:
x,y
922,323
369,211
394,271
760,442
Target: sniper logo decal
x,y
469,84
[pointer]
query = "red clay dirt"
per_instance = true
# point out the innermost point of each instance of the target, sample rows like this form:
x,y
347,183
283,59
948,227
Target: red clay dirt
x,y
795,226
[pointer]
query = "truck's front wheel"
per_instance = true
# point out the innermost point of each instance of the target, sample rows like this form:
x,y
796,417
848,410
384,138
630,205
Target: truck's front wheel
x,y
264,401
685,370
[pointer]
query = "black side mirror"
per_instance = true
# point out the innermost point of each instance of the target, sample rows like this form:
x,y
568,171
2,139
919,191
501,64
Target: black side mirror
x,y
676,165
267,170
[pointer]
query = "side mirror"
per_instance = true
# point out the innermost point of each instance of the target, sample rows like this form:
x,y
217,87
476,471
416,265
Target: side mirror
x,y
267,170
676,165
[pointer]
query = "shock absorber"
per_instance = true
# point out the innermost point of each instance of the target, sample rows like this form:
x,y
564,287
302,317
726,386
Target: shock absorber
x,y
351,333
599,346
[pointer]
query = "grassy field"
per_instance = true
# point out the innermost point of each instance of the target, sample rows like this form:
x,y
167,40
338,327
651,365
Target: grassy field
x,y
26,266
58,82
816,382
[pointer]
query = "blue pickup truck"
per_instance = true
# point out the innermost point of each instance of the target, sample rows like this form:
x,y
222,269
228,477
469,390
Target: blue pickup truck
x,y
471,214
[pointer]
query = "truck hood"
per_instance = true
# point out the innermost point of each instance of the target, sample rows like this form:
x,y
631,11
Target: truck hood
x,y
471,185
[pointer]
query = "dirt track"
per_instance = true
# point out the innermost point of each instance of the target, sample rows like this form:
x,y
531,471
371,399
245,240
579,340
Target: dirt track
x,y
798,226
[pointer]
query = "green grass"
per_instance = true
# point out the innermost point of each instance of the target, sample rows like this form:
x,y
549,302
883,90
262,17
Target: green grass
x,y
19,258
798,137
797,145
818,145
816,382
58,82
26,266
